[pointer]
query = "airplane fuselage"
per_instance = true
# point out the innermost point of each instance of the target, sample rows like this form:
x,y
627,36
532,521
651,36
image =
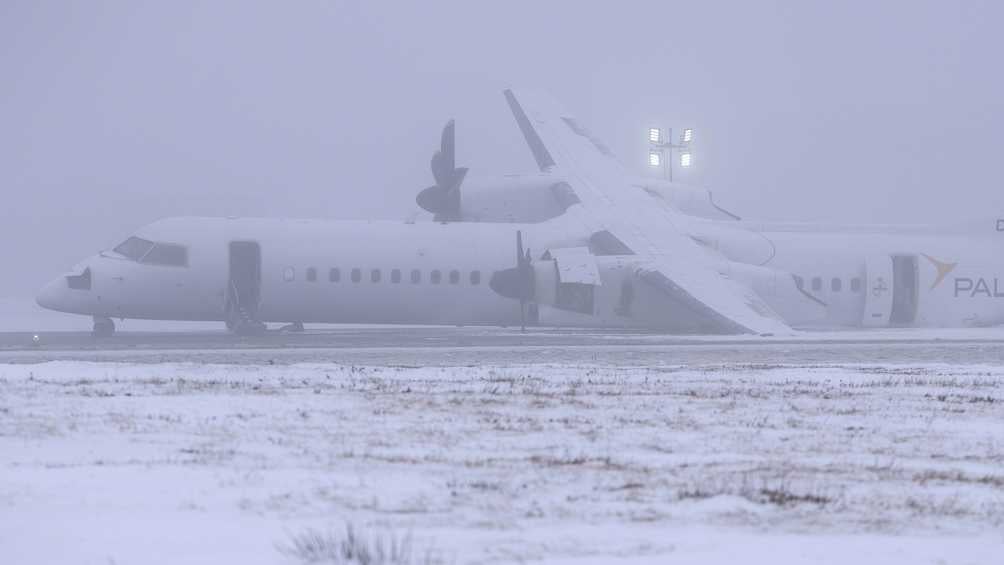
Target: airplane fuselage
x,y
308,271
881,276
430,273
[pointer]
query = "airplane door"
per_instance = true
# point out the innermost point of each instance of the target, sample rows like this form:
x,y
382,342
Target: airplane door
x,y
905,281
244,284
878,291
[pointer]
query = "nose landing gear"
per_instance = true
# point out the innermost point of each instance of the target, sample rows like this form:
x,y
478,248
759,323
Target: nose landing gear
x,y
103,327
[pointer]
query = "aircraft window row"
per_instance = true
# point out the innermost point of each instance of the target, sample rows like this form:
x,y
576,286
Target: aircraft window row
x,y
376,275
836,284
153,253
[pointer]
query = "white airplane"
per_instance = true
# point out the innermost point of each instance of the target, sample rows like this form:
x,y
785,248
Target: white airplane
x,y
608,250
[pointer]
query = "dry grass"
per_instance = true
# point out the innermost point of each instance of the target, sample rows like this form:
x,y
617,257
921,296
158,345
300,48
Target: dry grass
x,y
352,547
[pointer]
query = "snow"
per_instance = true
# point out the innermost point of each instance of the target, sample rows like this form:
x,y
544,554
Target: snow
x,y
584,463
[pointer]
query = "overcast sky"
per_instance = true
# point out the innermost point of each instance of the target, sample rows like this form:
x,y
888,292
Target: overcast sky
x,y
114,114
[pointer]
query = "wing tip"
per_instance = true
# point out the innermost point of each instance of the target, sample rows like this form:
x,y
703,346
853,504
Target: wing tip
x,y
540,153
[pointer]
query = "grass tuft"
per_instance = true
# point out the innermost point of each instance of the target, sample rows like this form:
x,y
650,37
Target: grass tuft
x,y
350,547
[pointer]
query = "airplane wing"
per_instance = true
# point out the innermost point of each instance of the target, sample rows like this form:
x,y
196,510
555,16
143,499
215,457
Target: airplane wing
x,y
673,262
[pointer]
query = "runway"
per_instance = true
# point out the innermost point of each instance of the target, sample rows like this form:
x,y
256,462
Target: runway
x,y
452,346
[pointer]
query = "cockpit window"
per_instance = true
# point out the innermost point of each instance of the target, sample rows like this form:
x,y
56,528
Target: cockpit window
x,y
134,248
167,254
145,251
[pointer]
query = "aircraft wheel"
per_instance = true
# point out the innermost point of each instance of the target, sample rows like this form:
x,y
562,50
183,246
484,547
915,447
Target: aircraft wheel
x,y
103,327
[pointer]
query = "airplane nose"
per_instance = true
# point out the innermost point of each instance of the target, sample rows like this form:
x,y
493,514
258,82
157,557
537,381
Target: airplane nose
x,y
52,295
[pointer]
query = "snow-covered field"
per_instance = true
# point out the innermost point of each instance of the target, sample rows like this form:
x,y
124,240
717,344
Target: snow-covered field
x,y
193,463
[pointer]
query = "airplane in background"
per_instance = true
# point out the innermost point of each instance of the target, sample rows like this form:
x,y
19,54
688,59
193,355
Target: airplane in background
x,y
582,243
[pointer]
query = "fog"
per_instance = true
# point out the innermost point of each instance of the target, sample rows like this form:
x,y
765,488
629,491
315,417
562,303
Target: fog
x,y
114,114
642,380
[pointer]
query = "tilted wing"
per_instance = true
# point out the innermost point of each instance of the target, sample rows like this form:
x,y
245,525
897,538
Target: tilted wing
x,y
674,263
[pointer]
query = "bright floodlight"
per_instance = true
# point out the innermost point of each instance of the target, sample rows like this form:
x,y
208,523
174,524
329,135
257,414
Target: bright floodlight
x,y
685,160
687,136
654,159
654,135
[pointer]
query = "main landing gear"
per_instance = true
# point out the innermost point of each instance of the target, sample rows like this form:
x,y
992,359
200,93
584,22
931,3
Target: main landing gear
x,y
103,327
241,324
295,327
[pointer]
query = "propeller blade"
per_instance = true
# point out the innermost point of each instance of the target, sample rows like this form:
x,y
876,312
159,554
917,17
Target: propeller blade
x,y
441,171
447,146
517,282
443,199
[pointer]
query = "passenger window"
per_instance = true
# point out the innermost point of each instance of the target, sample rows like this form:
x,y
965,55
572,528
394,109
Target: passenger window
x,y
375,275
799,282
475,277
167,254
436,277
817,284
395,276
855,285
288,274
836,285
311,274
334,275
416,276
454,276
357,275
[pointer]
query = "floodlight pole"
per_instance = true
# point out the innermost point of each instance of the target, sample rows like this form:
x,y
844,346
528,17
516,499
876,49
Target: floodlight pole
x,y
669,166
667,147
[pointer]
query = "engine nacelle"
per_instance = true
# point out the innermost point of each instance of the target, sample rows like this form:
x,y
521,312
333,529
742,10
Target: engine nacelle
x,y
514,199
575,288
535,198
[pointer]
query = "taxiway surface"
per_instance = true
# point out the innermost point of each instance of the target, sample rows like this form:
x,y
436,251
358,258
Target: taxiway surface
x,y
452,346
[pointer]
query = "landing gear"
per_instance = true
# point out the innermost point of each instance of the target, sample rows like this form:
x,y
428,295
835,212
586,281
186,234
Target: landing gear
x,y
241,324
295,327
103,327
251,327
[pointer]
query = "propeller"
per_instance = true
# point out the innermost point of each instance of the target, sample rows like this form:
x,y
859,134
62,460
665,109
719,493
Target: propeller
x,y
518,282
443,198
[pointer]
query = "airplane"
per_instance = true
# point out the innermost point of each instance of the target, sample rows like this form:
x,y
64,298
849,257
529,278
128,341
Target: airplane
x,y
582,243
